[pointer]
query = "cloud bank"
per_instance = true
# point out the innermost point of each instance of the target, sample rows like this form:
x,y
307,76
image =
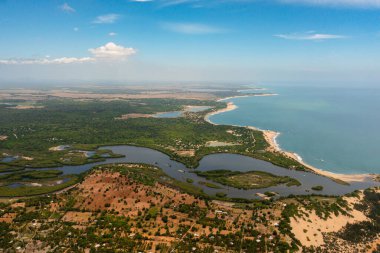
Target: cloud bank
x,y
112,51
108,52
67,8
106,19
310,36
191,28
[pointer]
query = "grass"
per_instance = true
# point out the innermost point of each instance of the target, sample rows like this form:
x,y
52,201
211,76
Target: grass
x,y
247,180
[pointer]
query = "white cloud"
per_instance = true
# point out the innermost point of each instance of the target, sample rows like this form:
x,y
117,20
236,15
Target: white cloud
x,y
67,8
141,1
65,60
191,28
112,34
112,51
46,60
338,3
106,19
310,36
109,51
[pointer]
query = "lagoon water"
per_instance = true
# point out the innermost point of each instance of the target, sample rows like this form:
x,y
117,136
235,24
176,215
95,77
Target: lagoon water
x,y
335,129
222,161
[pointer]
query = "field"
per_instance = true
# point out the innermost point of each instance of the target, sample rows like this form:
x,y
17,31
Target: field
x,y
247,180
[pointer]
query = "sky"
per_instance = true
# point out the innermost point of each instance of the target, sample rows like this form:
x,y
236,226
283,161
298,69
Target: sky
x,y
226,41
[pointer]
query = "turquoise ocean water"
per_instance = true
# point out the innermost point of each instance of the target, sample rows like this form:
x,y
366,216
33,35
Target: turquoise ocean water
x,y
335,129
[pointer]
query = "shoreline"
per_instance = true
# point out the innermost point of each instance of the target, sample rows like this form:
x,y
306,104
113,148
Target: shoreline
x,y
249,95
271,138
230,107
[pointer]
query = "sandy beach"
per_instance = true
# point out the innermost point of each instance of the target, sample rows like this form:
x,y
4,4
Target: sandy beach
x,y
230,107
249,95
271,136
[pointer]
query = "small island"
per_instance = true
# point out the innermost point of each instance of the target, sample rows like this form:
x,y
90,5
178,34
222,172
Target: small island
x,y
247,180
317,188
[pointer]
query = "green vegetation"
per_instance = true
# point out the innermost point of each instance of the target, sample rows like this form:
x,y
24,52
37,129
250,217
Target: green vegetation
x,y
149,175
141,173
221,195
323,206
270,194
210,185
284,227
30,175
317,188
366,230
359,232
5,235
113,218
86,125
247,180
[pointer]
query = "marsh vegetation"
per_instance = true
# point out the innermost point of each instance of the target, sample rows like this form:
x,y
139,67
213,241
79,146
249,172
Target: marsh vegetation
x,y
247,180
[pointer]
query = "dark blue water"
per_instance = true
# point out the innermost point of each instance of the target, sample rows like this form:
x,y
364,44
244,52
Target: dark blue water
x,y
335,129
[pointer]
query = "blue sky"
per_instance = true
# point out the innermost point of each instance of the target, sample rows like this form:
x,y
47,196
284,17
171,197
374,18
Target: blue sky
x,y
249,41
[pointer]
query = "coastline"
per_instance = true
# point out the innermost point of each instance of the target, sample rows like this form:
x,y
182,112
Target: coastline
x,y
249,95
230,107
271,138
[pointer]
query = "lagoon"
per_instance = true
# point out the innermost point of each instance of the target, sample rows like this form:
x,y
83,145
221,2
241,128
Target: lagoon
x,y
222,161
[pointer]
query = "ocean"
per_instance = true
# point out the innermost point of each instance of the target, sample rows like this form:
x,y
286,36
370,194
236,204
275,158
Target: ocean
x,y
334,129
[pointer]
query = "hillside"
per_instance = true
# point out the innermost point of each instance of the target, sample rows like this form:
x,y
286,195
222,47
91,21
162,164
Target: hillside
x,y
137,208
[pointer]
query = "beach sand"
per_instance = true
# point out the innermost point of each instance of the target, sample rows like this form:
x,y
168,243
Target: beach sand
x,y
230,107
249,95
271,136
